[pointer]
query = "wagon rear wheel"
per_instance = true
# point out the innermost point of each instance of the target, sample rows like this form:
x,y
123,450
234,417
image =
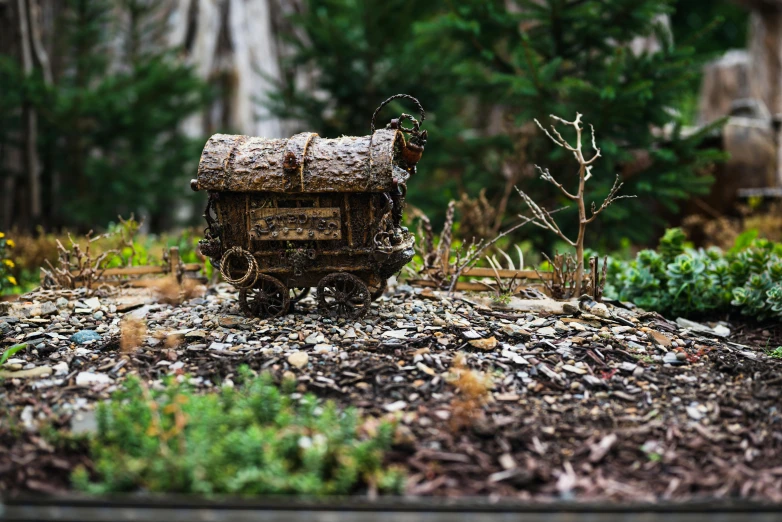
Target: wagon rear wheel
x,y
268,298
297,294
343,295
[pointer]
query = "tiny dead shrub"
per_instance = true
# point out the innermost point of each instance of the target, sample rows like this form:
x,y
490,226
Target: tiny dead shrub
x,y
174,341
472,393
444,262
543,218
132,333
478,216
504,288
76,265
169,291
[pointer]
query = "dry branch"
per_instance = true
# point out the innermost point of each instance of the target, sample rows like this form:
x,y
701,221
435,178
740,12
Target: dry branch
x,y
542,218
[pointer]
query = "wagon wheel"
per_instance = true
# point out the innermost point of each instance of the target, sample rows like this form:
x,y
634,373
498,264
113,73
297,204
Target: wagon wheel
x,y
297,294
343,295
379,291
268,298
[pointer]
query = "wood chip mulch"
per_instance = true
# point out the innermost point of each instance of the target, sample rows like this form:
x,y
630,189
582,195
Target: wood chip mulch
x,y
621,407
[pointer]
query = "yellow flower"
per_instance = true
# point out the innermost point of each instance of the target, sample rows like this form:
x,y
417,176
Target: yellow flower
x,y
8,263
10,243
2,235
12,280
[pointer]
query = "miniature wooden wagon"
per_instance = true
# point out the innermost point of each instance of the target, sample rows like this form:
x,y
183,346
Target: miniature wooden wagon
x,y
285,215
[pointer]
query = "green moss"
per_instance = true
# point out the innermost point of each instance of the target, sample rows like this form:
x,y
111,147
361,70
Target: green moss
x,y
255,439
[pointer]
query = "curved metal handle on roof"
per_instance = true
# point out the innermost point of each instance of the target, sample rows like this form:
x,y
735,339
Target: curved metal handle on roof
x,y
394,97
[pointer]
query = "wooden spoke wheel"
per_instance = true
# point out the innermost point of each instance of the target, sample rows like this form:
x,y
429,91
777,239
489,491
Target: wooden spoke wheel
x,y
297,294
343,295
268,298
378,292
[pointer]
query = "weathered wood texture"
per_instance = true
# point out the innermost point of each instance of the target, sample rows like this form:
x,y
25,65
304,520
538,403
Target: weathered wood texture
x,y
724,81
303,163
765,47
174,267
505,273
235,45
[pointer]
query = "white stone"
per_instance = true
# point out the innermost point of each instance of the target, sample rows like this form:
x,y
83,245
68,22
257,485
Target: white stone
x,y
395,406
93,303
90,378
298,359
395,334
600,310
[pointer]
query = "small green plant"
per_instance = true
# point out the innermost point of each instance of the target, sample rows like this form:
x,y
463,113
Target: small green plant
x,y
775,353
680,280
11,351
255,439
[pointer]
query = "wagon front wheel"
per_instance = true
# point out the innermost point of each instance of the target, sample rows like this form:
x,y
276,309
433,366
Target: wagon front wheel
x,y
268,298
343,295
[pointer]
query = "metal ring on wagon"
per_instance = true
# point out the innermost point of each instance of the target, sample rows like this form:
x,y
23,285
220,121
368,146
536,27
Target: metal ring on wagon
x,y
247,279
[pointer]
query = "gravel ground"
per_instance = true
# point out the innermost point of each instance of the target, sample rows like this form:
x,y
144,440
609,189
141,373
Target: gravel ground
x,y
599,403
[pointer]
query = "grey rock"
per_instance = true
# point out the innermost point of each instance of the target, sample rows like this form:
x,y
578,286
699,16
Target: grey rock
x,y
600,310
628,366
719,331
671,358
84,422
546,331
693,412
85,336
515,331
48,308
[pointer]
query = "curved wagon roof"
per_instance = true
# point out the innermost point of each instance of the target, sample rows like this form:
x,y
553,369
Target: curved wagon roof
x,y
303,163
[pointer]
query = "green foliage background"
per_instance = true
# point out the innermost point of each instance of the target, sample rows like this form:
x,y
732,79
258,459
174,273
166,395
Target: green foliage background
x,y
484,69
109,124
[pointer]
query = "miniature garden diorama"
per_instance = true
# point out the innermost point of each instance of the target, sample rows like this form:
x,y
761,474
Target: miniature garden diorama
x,y
316,337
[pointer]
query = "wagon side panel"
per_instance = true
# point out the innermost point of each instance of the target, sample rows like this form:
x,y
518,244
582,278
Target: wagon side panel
x,y
232,213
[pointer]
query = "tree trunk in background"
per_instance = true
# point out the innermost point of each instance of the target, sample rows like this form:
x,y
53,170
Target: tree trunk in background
x,y
724,81
233,46
765,48
10,154
651,44
26,37
32,164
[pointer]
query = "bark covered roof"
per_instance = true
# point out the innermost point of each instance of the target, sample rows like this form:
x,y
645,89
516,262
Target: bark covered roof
x,y
303,163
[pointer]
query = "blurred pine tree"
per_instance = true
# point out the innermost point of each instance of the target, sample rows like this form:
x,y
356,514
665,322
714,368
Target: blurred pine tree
x,y
485,69
109,137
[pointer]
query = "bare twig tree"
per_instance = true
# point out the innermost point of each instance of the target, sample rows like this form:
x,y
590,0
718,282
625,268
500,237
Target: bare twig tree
x,y
76,265
543,218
